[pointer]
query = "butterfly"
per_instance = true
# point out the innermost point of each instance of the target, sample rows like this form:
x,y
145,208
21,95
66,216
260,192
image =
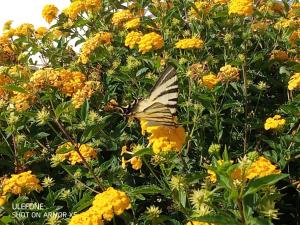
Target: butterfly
x,y
159,108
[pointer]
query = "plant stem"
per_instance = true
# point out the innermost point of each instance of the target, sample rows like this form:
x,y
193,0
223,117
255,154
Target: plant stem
x,y
68,136
245,92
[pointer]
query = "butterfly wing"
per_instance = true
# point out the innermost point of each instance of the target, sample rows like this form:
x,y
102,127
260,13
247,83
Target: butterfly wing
x,y
160,107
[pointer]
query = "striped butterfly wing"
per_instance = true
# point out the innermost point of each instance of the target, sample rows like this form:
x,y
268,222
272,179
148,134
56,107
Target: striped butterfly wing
x,y
159,108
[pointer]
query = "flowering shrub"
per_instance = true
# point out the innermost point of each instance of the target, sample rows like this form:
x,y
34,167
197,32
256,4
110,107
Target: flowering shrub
x,y
233,156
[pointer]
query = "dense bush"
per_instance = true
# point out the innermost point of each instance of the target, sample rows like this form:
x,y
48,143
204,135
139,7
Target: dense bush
x,y
67,148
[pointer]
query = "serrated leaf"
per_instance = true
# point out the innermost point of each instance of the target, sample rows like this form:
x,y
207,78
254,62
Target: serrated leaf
x,y
85,202
144,151
64,149
218,219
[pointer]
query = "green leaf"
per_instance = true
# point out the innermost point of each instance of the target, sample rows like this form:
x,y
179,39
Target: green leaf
x,y
146,189
85,202
64,149
84,111
61,108
142,71
144,151
259,183
13,87
218,219
41,135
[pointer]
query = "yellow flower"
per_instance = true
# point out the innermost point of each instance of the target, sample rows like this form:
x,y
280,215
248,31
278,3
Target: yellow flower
x,y
24,29
189,43
210,80
132,24
199,223
73,157
92,5
220,1
133,38
136,162
274,123
40,32
279,55
294,82
21,183
49,12
56,33
295,37
102,38
228,73
259,26
120,17
4,80
241,7
29,154
202,6
109,203
21,100
2,200
150,41
7,25
260,168
75,9
86,92
284,23
271,7
164,139
88,217
69,82
294,11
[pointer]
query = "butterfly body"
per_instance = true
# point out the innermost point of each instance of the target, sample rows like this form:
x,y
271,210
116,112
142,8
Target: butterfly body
x,y
159,108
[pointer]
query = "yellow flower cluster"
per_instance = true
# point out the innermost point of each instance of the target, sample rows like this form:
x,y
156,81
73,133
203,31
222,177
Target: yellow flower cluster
x,y
271,7
80,6
284,23
22,101
7,50
40,32
274,123
294,11
241,7
111,202
260,168
164,139
92,43
202,6
210,80
86,218
228,73
199,223
86,92
70,81
150,41
294,82
132,24
295,37
120,17
105,205
73,157
279,55
2,200
49,12
259,26
4,80
189,43
220,1
24,29
21,183
133,38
